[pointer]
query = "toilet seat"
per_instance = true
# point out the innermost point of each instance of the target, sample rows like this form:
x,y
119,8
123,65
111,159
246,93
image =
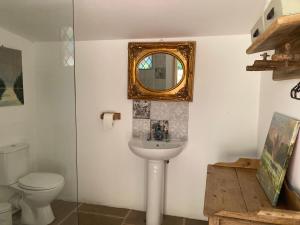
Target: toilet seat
x,y
40,181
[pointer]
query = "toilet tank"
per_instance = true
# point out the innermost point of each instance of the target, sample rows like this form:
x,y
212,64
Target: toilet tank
x,y
14,163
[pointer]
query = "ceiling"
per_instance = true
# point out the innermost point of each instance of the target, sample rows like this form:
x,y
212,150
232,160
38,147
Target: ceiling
x,y
41,20
36,20
126,19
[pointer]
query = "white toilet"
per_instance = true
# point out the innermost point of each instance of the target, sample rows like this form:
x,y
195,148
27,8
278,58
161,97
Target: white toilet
x,y
37,190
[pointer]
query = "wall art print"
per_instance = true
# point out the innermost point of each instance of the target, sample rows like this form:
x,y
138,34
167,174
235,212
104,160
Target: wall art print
x,y
11,77
276,154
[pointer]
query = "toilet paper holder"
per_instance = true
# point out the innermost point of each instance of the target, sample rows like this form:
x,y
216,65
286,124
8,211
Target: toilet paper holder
x,y
116,116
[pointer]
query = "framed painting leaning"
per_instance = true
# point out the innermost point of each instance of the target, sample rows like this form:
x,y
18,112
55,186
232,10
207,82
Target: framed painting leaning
x,y
276,154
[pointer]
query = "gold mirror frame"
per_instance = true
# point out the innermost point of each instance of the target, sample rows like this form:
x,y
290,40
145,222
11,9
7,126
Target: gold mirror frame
x,y
183,51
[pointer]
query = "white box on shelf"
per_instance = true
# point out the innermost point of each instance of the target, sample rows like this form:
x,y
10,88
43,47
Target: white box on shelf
x,y
258,29
278,8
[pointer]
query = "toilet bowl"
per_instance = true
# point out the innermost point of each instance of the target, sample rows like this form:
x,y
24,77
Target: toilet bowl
x,y
38,190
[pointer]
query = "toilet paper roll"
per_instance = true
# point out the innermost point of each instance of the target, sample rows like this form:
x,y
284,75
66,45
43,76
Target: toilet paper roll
x,y
108,121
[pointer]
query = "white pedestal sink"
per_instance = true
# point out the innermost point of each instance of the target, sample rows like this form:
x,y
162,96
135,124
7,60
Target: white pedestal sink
x,y
155,152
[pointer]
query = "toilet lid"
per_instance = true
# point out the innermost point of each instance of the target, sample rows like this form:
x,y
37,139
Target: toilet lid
x,y
41,181
5,207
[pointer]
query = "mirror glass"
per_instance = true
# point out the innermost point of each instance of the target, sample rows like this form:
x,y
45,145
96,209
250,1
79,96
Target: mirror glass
x,y
160,71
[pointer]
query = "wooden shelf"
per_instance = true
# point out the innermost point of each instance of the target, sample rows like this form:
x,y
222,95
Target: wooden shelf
x,y
265,65
285,29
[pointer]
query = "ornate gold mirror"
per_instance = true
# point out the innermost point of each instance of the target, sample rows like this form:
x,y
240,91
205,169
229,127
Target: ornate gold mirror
x,y
161,70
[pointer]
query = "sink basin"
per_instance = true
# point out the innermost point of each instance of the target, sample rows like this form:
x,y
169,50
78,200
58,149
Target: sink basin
x,y
156,150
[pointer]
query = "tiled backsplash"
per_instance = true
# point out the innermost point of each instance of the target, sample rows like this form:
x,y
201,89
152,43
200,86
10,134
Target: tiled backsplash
x,y
176,113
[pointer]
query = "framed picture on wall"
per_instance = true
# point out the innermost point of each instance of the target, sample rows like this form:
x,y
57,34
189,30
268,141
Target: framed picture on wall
x,y
11,77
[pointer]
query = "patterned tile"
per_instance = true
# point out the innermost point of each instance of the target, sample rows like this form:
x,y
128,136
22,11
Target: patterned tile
x,y
141,109
159,111
169,110
179,110
159,129
178,129
177,113
141,128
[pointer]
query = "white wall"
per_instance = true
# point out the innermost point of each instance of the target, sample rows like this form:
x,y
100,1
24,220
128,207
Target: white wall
x,y
17,122
275,97
222,125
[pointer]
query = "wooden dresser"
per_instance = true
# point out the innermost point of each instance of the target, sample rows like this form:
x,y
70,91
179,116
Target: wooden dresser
x,y
234,197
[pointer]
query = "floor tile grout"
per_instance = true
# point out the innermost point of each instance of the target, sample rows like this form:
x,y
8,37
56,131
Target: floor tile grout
x,y
126,216
69,214
101,214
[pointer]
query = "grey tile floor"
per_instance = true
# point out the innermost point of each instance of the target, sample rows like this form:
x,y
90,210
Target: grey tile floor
x,y
70,213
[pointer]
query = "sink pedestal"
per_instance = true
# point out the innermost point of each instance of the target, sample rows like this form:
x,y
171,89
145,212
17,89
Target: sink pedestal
x,y
156,153
155,192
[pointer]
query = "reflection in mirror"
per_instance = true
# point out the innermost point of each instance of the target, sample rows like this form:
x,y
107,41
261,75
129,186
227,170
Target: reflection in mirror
x,y
160,71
